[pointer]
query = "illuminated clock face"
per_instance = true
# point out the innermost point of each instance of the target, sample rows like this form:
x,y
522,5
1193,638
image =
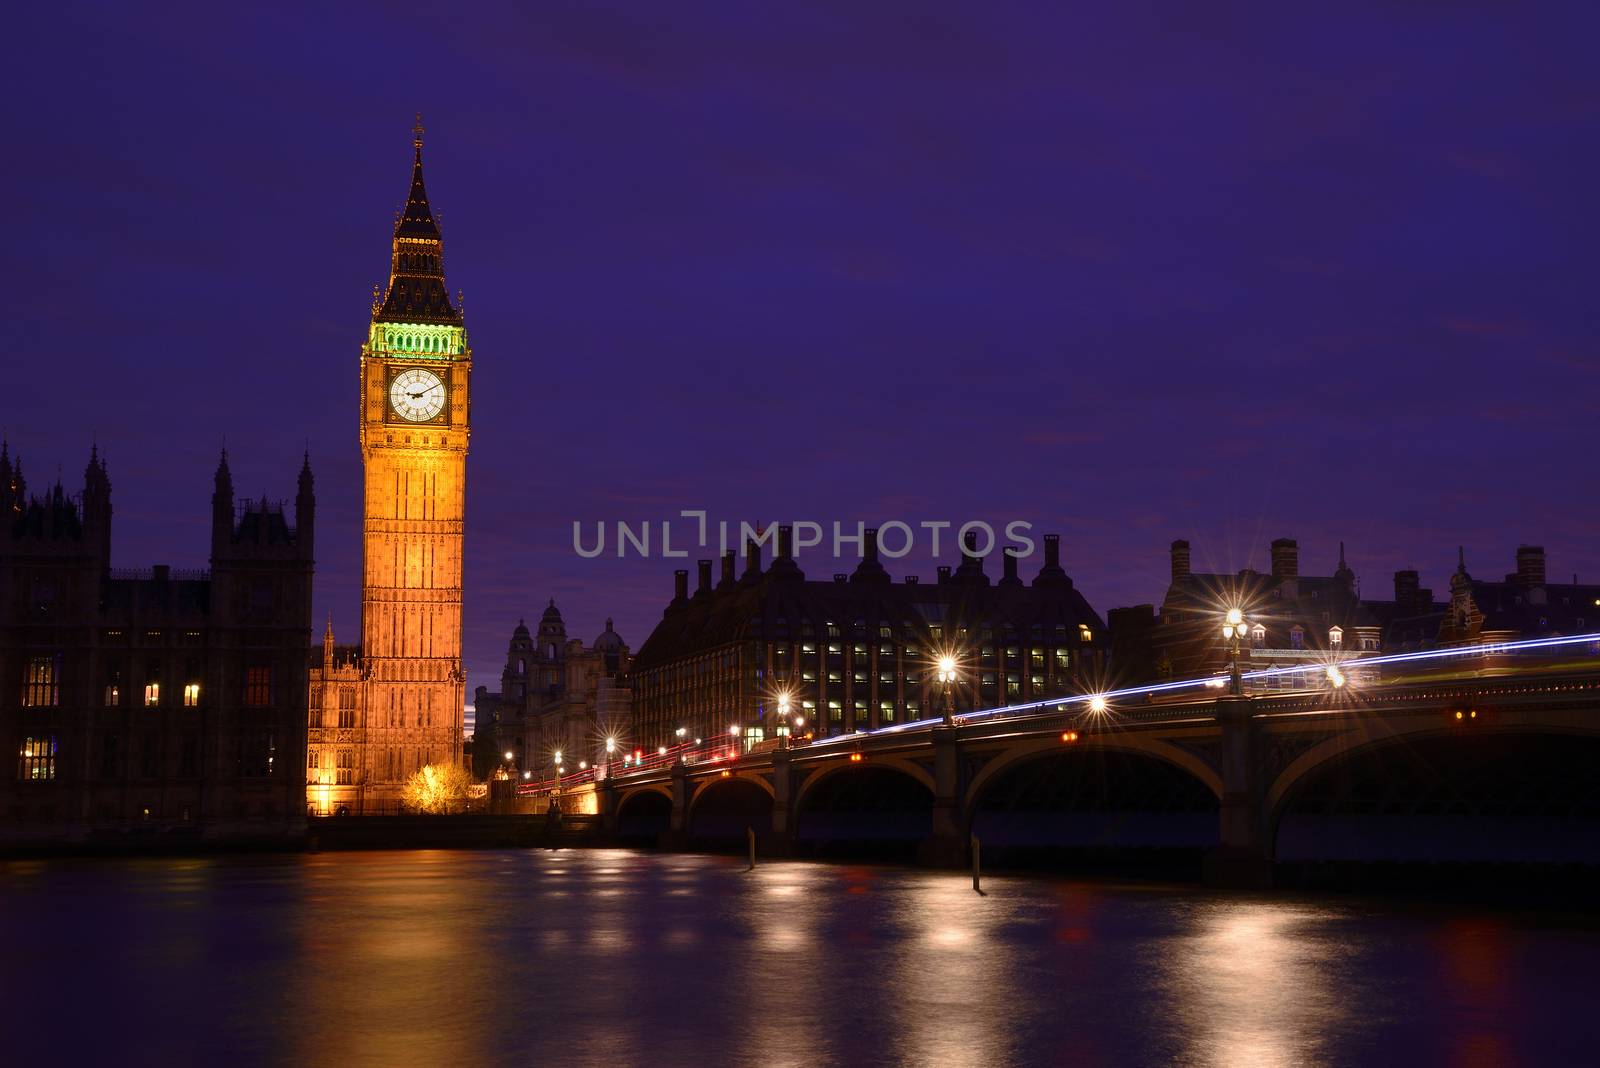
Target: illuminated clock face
x,y
416,395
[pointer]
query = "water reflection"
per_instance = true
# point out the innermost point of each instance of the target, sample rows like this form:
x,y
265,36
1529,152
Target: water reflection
x,y
1252,985
621,958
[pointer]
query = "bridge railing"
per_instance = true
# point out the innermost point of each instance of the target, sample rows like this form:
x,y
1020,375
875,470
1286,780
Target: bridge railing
x,y
1355,672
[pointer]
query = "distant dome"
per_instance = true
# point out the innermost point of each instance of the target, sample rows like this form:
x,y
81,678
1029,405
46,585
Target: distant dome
x,y
552,613
521,631
609,639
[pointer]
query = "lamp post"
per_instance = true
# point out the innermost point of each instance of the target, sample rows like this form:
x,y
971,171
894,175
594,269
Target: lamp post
x,y
783,718
1233,629
947,676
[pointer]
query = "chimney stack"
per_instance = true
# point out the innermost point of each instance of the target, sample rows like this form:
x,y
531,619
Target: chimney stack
x,y
728,574
870,545
1406,585
1285,558
1180,561
785,542
1008,564
752,558
704,586
1052,550
680,586
1530,565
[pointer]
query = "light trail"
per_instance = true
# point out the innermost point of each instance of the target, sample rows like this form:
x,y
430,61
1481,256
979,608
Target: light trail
x,y
1056,704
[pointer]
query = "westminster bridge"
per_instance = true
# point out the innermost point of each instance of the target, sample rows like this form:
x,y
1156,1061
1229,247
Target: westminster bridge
x,y
1482,754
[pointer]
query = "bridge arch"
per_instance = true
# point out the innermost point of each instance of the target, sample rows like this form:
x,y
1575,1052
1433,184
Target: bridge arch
x,y
820,773
1117,802
878,806
1038,749
1427,790
644,813
721,809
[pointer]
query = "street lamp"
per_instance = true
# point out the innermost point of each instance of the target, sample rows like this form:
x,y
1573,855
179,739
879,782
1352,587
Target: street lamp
x,y
1233,628
947,676
783,717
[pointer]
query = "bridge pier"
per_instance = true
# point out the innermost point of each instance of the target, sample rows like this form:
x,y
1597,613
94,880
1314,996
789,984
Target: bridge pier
x,y
607,804
946,846
780,842
1244,857
677,836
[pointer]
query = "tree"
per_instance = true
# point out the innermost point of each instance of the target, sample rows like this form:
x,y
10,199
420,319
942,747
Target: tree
x,y
437,789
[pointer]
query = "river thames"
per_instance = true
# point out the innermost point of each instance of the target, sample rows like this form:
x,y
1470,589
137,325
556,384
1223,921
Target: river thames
x,y
616,957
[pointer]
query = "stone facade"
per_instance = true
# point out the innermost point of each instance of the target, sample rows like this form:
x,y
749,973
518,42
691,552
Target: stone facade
x,y
857,652
556,695
383,709
154,703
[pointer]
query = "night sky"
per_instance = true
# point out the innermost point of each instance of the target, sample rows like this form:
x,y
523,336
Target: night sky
x,y
1231,274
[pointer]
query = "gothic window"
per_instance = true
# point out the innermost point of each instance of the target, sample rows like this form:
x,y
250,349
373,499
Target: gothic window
x,y
41,682
187,757
258,686
191,695
37,758
345,769
347,706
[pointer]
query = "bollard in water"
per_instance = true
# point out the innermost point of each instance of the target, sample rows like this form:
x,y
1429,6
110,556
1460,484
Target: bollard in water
x,y
751,834
975,865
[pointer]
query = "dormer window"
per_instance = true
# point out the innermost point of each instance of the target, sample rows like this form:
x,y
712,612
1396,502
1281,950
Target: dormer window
x,y
1335,638
1258,637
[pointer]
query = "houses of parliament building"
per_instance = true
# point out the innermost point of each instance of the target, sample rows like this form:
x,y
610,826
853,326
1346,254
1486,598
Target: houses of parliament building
x,y
380,710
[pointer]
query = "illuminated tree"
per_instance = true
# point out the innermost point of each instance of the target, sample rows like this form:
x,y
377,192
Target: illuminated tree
x,y
437,789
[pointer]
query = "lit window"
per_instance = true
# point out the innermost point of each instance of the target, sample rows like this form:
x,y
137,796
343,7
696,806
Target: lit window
x,y
37,758
191,695
152,694
258,686
1258,637
345,769
886,711
835,712
1083,633
1335,638
1061,660
41,683
113,695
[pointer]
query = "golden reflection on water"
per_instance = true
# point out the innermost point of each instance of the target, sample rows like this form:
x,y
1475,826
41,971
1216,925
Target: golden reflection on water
x,y
947,954
1250,986
621,958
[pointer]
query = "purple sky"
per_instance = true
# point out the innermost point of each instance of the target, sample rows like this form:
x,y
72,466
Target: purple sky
x,y
1250,273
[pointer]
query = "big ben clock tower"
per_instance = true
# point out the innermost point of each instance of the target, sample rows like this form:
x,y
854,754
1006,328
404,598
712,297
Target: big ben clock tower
x,y
416,372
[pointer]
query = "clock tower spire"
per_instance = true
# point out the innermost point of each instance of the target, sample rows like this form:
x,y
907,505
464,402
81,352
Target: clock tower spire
x,y
416,370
